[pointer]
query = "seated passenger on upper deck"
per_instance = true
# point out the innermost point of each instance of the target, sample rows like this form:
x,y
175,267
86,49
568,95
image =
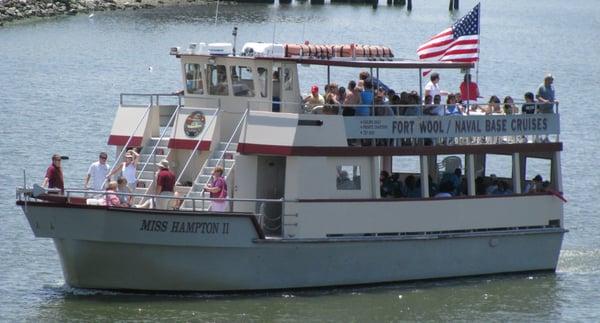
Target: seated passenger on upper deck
x,y
529,106
314,99
332,105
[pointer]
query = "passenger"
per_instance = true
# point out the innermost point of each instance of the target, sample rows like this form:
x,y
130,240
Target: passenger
x,y
469,91
276,106
128,168
493,106
414,102
480,186
438,108
502,189
535,185
165,185
456,180
428,105
395,104
433,86
341,95
54,174
397,186
529,106
314,99
412,189
97,173
385,184
545,95
493,186
546,187
366,98
332,105
451,107
445,191
111,198
509,106
381,107
364,75
122,187
218,190
352,99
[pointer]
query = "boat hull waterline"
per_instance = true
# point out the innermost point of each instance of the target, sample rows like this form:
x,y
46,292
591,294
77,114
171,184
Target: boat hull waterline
x,y
152,251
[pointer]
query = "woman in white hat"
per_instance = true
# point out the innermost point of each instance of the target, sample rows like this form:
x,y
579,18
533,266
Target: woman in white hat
x,y
128,169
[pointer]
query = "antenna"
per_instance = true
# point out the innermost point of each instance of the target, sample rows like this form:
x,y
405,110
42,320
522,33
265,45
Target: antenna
x,y
274,28
234,34
217,13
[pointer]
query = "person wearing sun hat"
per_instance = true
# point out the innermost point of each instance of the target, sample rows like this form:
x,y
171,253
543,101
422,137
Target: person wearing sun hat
x,y
314,99
165,184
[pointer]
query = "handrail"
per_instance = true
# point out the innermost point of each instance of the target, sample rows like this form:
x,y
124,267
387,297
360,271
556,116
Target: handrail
x,y
159,140
104,192
217,112
237,127
117,160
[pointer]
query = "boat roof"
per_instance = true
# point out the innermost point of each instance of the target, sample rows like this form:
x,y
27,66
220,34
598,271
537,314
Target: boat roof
x,y
396,63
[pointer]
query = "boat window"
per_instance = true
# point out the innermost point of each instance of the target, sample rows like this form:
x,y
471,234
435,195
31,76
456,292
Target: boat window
x,y
262,81
496,177
287,79
217,80
348,177
193,79
450,176
241,81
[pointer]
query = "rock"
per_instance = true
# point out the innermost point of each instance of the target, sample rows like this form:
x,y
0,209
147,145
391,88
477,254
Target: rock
x,y
138,1
72,12
148,6
11,11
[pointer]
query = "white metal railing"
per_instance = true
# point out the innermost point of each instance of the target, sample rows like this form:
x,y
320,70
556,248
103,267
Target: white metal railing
x,y
171,120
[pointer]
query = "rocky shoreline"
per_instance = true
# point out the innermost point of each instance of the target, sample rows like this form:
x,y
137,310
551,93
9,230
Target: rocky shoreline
x,y
13,10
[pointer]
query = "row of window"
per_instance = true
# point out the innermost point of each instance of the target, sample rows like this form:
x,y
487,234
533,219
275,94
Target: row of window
x,y
242,80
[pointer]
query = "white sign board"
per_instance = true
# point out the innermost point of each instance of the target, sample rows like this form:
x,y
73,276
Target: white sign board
x,y
451,126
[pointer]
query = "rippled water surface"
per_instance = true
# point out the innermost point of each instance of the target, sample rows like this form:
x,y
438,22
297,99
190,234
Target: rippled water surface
x,y
59,85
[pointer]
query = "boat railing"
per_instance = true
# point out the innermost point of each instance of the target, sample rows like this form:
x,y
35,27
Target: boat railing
x,y
99,198
152,154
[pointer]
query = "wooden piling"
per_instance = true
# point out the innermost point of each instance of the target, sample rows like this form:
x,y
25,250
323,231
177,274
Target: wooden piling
x,y
409,5
456,4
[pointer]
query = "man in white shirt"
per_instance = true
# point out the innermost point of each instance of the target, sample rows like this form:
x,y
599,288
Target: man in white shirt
x,y
97,173
432,87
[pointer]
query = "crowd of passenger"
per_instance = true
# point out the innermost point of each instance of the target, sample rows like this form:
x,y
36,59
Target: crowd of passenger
x,y
119,184
453,184
369,96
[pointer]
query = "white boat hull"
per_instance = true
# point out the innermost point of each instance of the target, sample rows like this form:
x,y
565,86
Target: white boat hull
x,y
112,249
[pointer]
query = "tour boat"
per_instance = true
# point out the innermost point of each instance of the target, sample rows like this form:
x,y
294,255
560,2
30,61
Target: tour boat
x,y
304,205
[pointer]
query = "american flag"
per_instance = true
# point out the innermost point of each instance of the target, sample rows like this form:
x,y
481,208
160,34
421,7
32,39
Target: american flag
x,y
458,43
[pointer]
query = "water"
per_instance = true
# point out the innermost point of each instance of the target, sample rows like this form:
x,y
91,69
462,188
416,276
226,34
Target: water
x,y
59,85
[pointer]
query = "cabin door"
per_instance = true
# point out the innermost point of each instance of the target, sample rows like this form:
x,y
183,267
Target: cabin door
x,y
270,185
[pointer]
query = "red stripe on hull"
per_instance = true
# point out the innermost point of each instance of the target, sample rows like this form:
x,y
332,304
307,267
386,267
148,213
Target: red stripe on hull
x,y
117,140
188,144
245,148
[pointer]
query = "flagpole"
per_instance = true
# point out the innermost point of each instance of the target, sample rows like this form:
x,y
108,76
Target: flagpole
x,y
478,47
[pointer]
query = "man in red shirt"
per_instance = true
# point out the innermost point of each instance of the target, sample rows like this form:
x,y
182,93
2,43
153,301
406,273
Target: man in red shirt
x,y
165,184
54,176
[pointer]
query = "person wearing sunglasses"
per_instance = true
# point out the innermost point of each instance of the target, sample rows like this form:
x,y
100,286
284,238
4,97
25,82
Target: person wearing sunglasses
x,y
97,173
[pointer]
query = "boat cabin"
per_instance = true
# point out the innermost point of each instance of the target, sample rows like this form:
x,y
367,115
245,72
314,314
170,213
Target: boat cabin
x,y
329,175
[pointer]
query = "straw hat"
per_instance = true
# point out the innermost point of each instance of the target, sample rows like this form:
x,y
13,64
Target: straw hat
x,y
163,164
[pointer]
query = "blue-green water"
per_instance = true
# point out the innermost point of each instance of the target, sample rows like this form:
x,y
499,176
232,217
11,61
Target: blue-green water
x,y
59,85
